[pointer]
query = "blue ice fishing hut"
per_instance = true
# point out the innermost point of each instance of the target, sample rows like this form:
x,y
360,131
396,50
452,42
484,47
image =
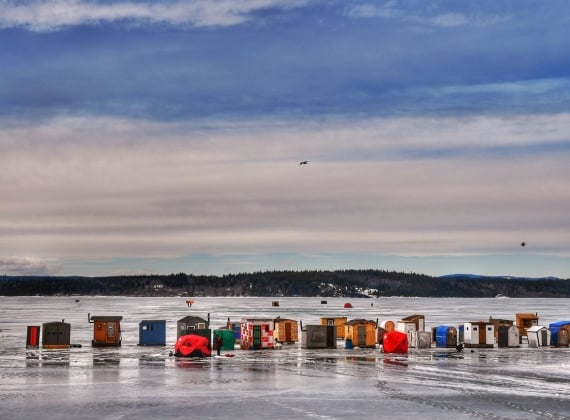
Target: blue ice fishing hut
x,y
152,333
560,333
445,336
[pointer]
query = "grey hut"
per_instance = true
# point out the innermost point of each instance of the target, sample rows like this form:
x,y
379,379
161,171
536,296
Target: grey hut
x,y
508,336
318,336
189,325
56,335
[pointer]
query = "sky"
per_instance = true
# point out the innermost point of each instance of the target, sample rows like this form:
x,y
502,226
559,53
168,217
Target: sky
x,y
164,136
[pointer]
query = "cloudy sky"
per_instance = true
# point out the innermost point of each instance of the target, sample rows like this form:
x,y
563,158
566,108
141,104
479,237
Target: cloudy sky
x,y
165,136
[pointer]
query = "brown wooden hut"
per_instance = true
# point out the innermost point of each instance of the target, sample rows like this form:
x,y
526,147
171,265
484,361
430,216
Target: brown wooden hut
x,y
285,330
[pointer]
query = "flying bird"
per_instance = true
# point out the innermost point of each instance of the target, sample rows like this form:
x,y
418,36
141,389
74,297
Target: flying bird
x,y
523,243
304,162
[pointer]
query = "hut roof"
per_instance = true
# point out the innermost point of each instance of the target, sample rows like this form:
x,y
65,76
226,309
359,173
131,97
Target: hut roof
x,y
413,317
192,319
105,318
360,321
527,316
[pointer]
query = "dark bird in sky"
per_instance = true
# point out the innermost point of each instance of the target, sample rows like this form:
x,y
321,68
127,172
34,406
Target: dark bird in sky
x,y
523,243
304,162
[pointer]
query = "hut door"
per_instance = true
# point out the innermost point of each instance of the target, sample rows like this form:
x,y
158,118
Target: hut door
x,y
257,335
482,335
288,332
111,331
361,335
451,337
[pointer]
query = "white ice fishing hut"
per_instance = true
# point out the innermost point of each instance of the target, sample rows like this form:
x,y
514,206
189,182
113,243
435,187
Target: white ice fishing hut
x,y
538,336
479,334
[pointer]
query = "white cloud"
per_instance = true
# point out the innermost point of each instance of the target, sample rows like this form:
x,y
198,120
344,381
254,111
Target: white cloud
x,y
113,188
45,15
423,16
28,266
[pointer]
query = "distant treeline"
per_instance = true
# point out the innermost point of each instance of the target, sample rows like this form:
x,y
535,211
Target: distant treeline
x,y
345,283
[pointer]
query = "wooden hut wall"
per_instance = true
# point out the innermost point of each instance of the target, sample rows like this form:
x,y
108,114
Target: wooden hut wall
x,y
56,335
338,322
362,333
286,331
524,321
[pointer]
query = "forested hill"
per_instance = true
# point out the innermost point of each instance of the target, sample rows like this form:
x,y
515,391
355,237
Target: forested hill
x,y
349,283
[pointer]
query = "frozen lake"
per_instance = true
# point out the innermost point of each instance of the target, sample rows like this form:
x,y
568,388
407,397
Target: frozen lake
x,y
133,382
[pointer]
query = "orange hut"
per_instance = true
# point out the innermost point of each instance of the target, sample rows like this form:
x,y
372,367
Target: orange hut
x,y
106,331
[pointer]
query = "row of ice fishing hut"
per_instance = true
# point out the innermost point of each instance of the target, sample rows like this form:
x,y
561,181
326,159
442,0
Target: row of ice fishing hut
x,y
254,334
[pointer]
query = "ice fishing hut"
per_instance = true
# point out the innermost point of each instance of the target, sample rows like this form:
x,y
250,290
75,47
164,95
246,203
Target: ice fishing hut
x,y
445,336
418,320
285,330
508,336
479,334
560,332
497,322
538,336
257,334
228,338
236,328
33,337
360,333
383,328
152,332
318,337
106,330
337,322
189,325
56,335
524,321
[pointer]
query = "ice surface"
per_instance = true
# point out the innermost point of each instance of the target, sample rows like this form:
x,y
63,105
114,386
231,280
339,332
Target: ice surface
x,y
133,382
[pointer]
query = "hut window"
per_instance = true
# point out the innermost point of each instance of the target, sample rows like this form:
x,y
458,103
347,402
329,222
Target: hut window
x,y
489,329
145,327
